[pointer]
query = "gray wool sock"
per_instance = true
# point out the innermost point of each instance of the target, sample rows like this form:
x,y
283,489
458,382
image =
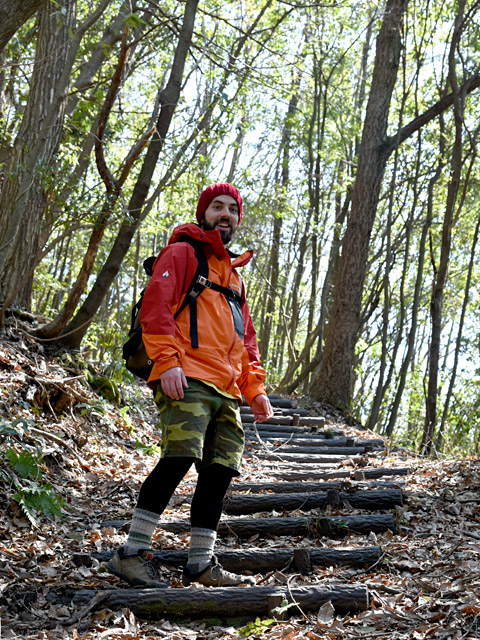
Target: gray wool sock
x,y
141,531
200,553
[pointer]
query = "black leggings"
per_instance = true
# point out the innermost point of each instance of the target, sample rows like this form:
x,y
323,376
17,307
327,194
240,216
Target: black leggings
x,y
207,502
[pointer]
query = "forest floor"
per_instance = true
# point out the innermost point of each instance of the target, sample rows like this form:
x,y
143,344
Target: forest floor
x,y
59,438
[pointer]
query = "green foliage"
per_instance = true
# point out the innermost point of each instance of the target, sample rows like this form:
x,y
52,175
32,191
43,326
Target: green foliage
x,y
25,463
133,21
248,65
256,626
36,499
33,496
151,450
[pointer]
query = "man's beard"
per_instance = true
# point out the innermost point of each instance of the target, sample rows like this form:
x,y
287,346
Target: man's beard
x,y
225,234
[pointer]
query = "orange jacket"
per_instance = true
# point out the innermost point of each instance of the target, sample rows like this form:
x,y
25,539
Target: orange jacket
x,y
222,357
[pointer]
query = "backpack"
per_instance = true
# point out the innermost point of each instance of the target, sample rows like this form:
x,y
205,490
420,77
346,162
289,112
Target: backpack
x,y
134,352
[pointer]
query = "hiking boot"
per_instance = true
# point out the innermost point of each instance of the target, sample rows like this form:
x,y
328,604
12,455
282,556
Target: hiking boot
x,y
136,568
215,576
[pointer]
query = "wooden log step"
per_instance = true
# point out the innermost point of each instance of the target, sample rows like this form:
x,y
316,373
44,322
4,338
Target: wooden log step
x,y
325,458
226,602
306,439
307,421
278,411
298,487
315,450
370,500
293,525
293,473
264,560
286,526
288,430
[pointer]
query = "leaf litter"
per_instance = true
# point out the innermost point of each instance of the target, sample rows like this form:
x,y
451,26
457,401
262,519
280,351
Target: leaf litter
x,y
94,455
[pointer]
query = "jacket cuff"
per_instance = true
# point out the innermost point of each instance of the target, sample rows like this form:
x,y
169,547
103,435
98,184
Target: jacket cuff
x,y
253,391
165,365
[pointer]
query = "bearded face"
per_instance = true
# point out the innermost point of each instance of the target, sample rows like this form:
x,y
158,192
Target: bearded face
x,y
222,214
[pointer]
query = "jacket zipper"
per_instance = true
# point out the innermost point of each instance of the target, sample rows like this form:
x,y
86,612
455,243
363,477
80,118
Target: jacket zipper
x,y
232,381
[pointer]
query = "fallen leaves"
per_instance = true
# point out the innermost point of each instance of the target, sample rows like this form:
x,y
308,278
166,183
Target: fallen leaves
x,y
428,586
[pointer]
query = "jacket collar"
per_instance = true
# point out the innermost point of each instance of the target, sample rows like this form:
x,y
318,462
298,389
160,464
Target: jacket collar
x,y
213,240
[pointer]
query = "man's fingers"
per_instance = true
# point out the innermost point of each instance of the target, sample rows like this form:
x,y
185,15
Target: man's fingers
x,y
173,382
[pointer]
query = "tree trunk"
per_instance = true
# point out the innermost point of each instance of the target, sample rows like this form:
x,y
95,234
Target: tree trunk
x,y
77,328
458,344
14,13
50,60
416,299
334,382
440,277
19,233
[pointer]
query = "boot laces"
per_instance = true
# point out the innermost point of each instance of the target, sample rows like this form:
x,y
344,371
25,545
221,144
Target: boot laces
x,y
150,569
217,572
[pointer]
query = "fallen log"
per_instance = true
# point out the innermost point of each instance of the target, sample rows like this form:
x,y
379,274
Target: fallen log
x,y
226,602
315,450
303,421
292,526
283,403
279,411
288,430
286,526
370,500
341,526
311,439
299,487
326,459
264,560
286,473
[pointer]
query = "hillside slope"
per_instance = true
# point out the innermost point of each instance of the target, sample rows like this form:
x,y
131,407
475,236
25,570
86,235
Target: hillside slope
x,y
66,449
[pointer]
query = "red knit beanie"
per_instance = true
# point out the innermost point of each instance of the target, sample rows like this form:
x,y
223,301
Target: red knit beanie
x,y
214,190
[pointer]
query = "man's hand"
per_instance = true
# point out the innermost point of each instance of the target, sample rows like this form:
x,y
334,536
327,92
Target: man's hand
x,y
262,409
173,383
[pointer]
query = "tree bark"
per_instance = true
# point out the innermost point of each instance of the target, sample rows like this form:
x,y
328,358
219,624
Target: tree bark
x,y
371,500
50,60
296,450
289,473
234,601
262,560
458,344
440,275
19,234
325,459
306,486
291,526
334,382
14,13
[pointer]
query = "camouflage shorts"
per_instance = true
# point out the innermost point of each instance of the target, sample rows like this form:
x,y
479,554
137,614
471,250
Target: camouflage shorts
x,y
203,425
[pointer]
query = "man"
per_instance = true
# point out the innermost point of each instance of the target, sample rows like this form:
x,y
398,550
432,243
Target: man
x,y
203,363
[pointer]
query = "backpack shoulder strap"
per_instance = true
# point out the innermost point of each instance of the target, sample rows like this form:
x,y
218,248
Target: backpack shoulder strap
x,y
195,288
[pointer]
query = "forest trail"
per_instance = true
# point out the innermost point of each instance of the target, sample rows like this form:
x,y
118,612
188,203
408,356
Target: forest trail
x,y
348,537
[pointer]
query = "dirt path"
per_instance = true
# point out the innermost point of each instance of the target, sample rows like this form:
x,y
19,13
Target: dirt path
x,y
424,581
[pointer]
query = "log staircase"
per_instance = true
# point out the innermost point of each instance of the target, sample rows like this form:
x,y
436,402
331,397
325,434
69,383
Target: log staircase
x,y
312,478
